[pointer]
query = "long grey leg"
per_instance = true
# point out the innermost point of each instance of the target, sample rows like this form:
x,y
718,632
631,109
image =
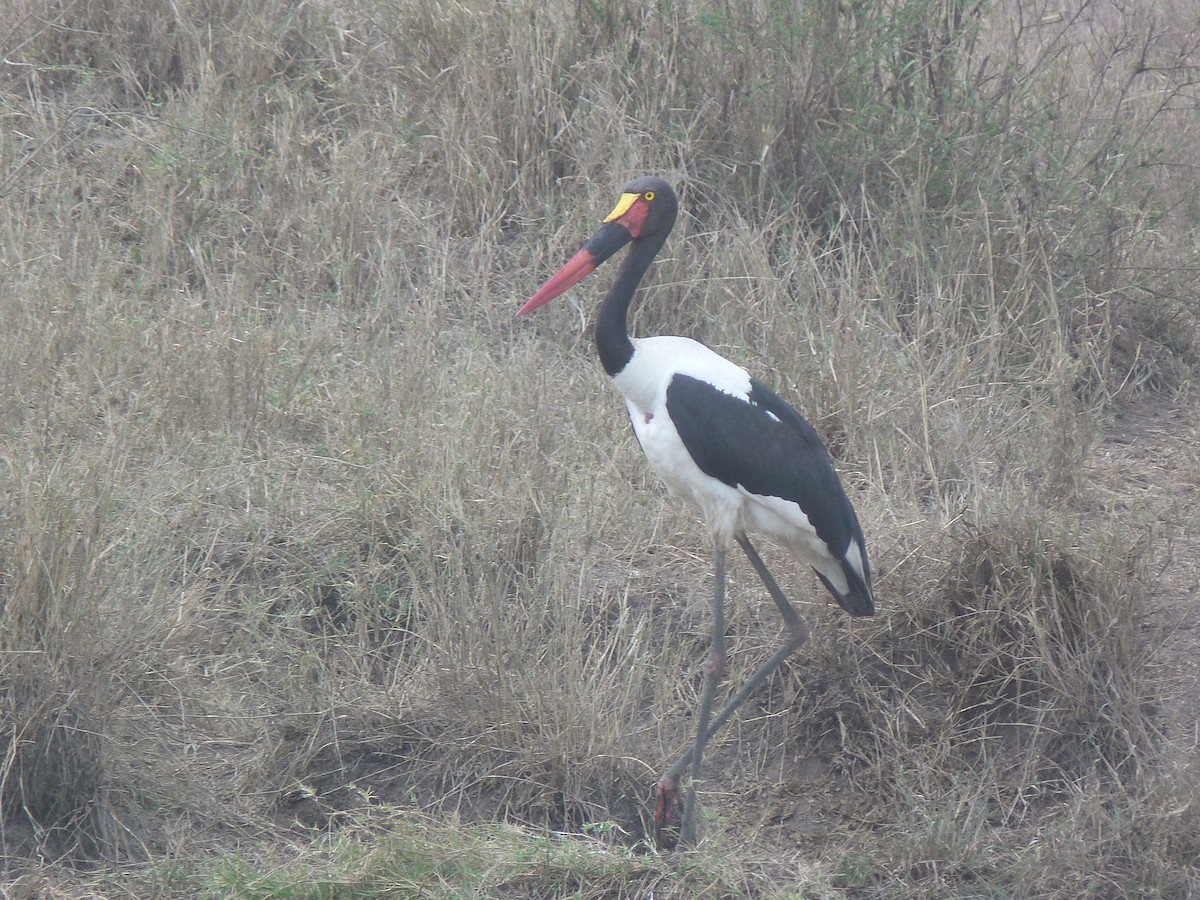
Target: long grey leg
x,y
798,634
798,628
714,668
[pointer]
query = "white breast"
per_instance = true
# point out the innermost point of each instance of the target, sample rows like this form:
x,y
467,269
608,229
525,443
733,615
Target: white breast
x,y
643,383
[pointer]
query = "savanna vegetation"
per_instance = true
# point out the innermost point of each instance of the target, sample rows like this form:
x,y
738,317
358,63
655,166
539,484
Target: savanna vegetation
x,y
322,576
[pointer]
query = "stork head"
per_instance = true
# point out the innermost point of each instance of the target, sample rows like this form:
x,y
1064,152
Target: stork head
x,y
646,210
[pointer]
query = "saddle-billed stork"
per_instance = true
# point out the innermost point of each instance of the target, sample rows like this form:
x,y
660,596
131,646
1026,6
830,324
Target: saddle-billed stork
x,y
730,445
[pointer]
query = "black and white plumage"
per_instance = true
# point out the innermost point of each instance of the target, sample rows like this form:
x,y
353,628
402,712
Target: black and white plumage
x,y
724,441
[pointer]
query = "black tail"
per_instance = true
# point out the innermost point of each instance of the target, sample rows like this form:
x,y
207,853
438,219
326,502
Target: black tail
x,y
858,600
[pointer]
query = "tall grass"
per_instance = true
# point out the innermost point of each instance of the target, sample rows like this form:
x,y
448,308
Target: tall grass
x,y
300,528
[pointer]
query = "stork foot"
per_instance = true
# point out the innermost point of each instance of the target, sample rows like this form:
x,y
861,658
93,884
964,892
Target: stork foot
x,y
667,820
674,815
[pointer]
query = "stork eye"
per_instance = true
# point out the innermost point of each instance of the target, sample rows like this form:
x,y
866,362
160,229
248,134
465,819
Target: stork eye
x,y
649,195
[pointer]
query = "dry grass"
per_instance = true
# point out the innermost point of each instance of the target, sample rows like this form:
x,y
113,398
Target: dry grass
x,y
309,552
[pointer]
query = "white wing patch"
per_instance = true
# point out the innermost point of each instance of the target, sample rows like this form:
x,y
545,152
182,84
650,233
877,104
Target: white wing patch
x,y
643,382
854,559
784,522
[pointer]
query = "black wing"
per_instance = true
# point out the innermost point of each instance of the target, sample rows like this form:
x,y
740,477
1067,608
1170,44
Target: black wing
x,y
766,447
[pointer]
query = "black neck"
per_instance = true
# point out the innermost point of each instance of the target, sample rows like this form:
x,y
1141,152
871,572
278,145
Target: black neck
x,y
612,330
